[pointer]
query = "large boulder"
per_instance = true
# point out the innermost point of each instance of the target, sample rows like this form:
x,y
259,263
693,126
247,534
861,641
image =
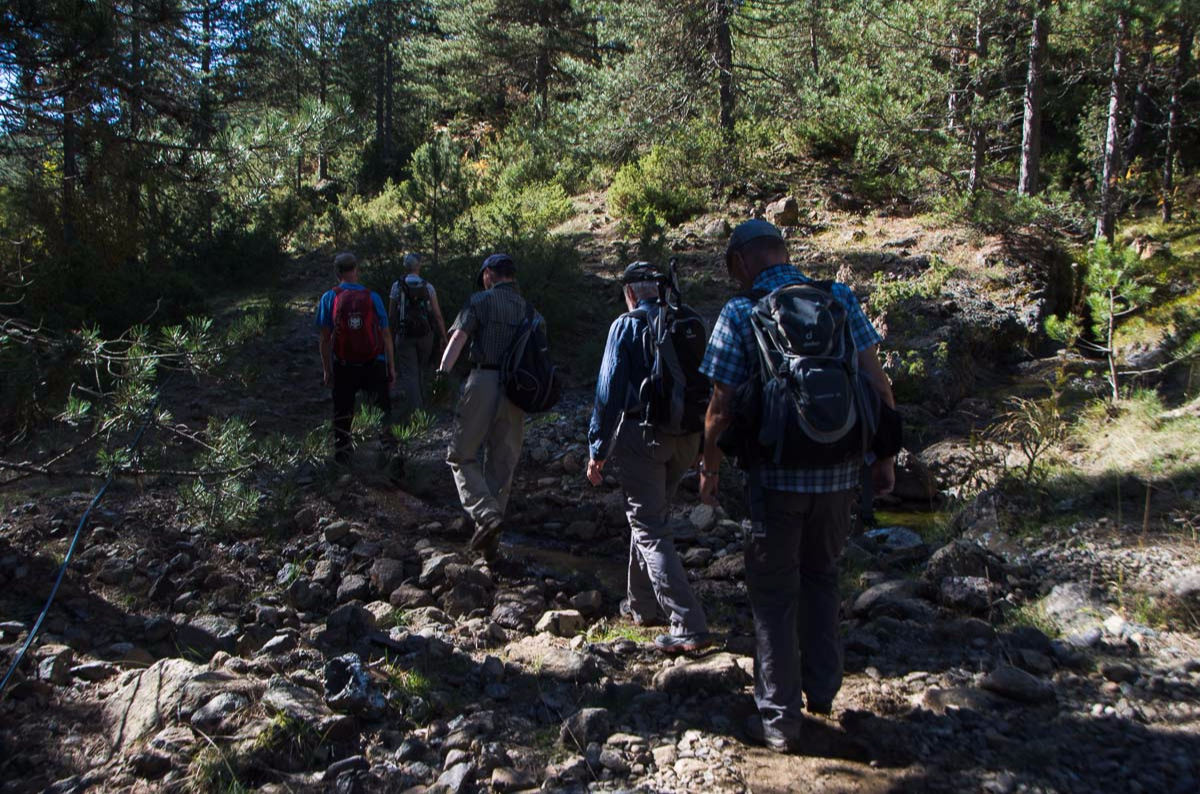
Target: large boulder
x,y
964,558
166,691
914,481
1075,607
784,211
551,661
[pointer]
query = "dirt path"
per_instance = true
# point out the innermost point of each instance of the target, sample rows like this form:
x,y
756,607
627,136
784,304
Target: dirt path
x,y
1026,669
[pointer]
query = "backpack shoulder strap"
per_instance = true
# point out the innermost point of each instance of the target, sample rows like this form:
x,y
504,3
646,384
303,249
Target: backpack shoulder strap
x,y
754,295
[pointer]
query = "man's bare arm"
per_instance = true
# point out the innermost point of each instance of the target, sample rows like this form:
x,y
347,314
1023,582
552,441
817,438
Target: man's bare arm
x,y
458,340
872,367
326,345
716,421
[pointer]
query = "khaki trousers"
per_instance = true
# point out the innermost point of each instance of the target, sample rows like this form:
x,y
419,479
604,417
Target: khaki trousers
x,y
486,445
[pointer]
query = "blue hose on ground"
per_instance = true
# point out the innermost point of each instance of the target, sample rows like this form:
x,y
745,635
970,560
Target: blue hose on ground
x,y
62,569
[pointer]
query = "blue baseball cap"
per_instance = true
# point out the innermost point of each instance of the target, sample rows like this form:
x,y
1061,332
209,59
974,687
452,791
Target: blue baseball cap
x,y
495,260
749,230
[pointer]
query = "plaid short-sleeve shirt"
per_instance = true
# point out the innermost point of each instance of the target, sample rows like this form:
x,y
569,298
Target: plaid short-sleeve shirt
x,y
730,359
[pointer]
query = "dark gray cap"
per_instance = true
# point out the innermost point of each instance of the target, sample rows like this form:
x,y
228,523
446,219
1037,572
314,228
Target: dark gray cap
x,y
495,260
639,272
749,230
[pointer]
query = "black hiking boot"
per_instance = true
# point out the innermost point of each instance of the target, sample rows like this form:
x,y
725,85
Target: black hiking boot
x,y
671,645
627,613
772,737
486,539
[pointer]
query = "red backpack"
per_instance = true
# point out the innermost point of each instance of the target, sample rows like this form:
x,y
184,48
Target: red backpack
x,y
357,338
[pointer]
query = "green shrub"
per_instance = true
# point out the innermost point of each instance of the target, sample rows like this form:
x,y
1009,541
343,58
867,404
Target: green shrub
x,y
653,192
376,224
528,212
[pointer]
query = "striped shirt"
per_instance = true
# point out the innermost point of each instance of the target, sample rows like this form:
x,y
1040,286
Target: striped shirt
x,y
731,357
491,319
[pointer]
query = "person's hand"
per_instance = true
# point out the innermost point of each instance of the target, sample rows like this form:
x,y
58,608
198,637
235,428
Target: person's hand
x,y
391,377
595,471
883,476
327,379
709,482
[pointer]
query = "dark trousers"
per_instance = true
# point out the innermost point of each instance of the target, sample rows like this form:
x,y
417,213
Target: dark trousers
x,y
792,579
349,380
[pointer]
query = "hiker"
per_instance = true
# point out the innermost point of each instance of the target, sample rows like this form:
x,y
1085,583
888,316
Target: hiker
x,y
416,316
652,454
489,429
356,350
799,503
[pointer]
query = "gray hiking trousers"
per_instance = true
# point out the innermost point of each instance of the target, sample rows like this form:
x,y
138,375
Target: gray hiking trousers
x,y
792,579
412,363
650,477
486,445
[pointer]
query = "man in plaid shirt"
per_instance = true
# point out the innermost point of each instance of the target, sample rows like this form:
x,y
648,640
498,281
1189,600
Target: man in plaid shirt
x,y
791,563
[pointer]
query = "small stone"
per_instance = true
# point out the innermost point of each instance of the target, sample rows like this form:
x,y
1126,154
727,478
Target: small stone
x,y
586,726
354,587
355,763
408,596
1018,685
216,711
457,779
665,756
387,575
506,779
1119,672
589,602
703,517
94,671
697,557
562,622
613,762
337,531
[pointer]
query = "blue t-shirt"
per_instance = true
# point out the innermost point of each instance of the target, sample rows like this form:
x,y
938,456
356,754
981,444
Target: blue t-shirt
x,y
325,310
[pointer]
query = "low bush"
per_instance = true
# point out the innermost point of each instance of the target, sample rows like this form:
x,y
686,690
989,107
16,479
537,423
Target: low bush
x,y
653,192
374,225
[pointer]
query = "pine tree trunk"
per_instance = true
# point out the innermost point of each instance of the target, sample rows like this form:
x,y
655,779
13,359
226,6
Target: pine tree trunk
x,y
1141,97
133,105
1105,217
954,101
1179,77
979,98
814,23
206,110
388,77
70,173
323,88
1031,128
723,54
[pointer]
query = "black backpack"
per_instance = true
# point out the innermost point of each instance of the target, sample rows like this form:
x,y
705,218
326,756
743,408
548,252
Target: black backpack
x,y
531,380
675,394
807,406
414,309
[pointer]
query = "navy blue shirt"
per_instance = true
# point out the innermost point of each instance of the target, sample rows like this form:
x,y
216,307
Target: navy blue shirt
x,y
624,367
324,317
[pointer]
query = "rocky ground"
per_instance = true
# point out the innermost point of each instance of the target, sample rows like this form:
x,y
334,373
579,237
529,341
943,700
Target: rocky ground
x,y
358,647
